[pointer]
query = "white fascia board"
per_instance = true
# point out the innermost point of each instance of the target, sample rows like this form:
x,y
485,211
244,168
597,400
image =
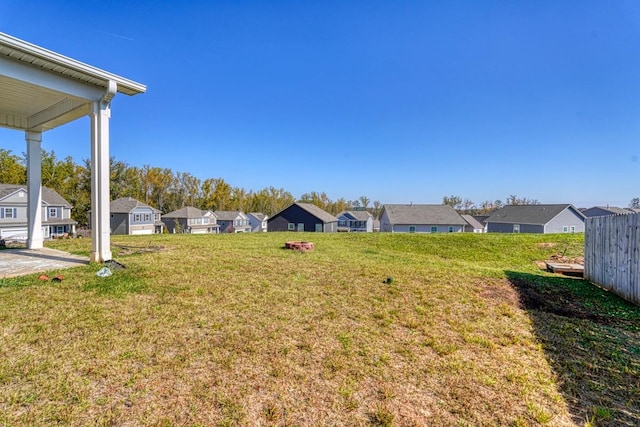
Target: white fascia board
x,y
125,85
43,78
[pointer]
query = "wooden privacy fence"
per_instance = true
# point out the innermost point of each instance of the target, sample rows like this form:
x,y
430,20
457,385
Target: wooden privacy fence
x,y
612,254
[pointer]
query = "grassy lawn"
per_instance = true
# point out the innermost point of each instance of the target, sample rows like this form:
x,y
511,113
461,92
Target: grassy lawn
x,y
367,329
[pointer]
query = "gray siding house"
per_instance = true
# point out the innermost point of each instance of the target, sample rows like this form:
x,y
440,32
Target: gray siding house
x,y
355,221
191,220
420,219
56,213
233,222
560,218
258,222
130,216
303,217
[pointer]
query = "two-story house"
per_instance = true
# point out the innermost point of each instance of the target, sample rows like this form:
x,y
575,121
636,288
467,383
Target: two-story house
x,y
56,213
355,221
130,216
233,222
191,220
258,222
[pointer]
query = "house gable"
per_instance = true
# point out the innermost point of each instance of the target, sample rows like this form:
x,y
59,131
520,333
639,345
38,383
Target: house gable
x,y
303,217
56,212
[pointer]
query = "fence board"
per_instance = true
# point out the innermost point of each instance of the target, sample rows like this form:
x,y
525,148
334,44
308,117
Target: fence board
x,y
612,254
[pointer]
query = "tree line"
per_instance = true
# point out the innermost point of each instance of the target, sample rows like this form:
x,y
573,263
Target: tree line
x,y
168,191
162,188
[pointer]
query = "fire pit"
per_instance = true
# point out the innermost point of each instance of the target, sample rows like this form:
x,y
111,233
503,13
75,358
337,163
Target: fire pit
x,y
299,246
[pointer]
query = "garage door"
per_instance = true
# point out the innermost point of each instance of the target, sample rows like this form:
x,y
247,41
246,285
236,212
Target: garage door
x,y
143,231
14,234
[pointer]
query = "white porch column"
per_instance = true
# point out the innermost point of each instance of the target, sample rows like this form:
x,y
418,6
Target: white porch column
x,y
100,199
34,188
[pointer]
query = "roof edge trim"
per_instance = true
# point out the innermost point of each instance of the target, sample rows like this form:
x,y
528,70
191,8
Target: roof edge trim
x,y
80,67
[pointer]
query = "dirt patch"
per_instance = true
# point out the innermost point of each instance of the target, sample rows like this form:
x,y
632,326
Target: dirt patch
x,y
547,245
134,250
562,259
498,292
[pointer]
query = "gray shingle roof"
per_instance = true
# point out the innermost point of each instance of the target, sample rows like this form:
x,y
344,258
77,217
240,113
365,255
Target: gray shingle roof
x,y
359,215
529,214
258,215
472,221
49,196
423,214
127,204
317,212
227,215
186,212
612,210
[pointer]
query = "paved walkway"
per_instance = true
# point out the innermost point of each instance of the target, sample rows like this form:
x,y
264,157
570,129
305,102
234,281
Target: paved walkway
x,y
20,262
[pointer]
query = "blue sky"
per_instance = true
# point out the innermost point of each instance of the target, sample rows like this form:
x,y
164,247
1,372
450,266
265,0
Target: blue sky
x,y
397,101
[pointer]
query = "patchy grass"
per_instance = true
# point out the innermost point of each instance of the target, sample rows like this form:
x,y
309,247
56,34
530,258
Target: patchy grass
x,y
232,330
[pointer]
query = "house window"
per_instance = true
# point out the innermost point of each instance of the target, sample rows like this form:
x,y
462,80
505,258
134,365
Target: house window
x,y
412,229
147,217
8,212
450,229
572,229
318,228
516,228
300,226
565,228
434,229
137,217
53,212
291,226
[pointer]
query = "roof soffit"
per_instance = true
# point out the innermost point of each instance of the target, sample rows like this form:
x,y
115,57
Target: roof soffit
x,y
43,90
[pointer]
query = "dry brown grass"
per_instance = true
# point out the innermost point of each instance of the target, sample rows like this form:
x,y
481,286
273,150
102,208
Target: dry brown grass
x,y
234,330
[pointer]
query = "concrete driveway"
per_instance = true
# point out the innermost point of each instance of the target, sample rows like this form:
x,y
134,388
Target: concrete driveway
x,y
20,262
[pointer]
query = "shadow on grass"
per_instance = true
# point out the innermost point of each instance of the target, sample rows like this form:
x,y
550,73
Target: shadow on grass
x,y
591,339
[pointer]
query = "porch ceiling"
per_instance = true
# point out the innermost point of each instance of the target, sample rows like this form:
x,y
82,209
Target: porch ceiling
x,y
42,89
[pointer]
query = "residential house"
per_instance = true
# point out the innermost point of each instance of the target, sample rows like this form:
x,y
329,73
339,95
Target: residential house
x,y
233,222
130,216
355,221
557,218
414,218
56,213
606,210
303,217
191,220
474,225
258,222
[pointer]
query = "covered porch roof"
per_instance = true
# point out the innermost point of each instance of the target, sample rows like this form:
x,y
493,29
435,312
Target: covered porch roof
x,y
41,90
